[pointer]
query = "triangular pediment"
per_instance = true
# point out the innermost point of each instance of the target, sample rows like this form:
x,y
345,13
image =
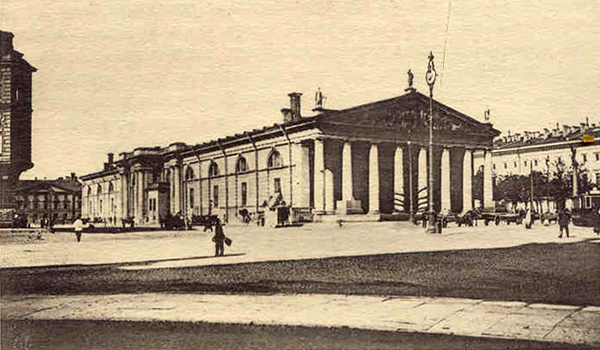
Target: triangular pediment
x,y
410,113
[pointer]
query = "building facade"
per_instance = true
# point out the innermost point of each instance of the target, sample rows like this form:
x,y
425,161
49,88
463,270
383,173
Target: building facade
x,y
370,159
56,200
545,151
520,153
15,122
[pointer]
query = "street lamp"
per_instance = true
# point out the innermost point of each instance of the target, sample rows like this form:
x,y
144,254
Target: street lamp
x,y
430,79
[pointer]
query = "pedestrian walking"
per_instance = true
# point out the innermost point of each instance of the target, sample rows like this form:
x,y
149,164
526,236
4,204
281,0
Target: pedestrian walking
x,y
78,228
219,238
528,220
564,218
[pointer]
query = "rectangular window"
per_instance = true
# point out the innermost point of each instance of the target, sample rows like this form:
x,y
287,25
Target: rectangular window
x,y
150,208
65,205
192,198
515,164
585,158
597,156
244,194
535,162
216,196
277,185
588,202
597,178
505,166
494,166
525,162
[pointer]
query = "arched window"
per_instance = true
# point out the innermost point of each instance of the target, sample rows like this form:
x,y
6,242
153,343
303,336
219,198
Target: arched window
x,y
189,173
111,187
275,160
241,165
213,170
99,190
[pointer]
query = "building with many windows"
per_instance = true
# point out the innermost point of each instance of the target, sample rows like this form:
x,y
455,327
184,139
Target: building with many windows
x,y
540,150
56,200
367,160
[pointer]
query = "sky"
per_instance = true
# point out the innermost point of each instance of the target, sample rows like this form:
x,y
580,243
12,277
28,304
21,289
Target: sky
x,y
118,74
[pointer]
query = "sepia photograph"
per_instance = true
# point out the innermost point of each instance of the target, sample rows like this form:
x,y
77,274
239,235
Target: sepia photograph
x,y
321,174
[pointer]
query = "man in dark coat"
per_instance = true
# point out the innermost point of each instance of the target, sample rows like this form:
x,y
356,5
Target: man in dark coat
x,y
219,238
564,217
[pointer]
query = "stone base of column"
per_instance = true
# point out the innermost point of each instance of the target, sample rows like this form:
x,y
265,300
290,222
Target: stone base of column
x,y
349,207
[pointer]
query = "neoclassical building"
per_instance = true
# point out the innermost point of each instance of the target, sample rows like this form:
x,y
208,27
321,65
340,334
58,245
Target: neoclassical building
x,y
58,200
366,160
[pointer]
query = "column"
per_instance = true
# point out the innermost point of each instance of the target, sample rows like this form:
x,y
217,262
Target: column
x,y
139,178
177,190
319,178
467,181
446,201
399,198
347,194
329,197
422,181
374,179
488,197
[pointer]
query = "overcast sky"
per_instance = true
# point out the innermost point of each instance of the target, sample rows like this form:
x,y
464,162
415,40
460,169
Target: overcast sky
x,y
118,74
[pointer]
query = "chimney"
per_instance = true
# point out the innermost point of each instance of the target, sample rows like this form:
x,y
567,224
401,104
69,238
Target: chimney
x,y
73,177
295,105
6,42
287,114
111,158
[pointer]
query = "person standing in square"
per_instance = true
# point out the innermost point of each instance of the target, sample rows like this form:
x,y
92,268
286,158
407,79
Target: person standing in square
x,y
78,228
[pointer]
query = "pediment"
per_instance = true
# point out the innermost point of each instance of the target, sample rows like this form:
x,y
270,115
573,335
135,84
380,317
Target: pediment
x,y
410,113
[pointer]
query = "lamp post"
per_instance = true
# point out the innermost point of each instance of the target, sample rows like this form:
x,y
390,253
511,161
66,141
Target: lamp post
x,y
430,78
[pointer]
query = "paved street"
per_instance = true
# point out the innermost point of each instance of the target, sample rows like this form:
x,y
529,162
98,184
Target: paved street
x,y
156,250
468,317
252,244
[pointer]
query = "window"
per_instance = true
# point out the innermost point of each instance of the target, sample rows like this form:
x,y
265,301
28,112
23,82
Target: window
x,y
535,162
584,157
111,188
597,178
112,205
275,160
65,204
494,166
89,191
277,185
597,156
515,164
241,165
588,202
150,206
216,196
101,205
244,194
99,190
192,198
505,166
189,174
213,170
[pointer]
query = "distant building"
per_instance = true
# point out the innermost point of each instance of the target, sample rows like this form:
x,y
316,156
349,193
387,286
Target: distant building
x,y
369,159
15,122
58,200
519,153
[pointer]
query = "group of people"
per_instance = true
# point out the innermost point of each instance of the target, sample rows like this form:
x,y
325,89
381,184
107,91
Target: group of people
x,y
564,219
